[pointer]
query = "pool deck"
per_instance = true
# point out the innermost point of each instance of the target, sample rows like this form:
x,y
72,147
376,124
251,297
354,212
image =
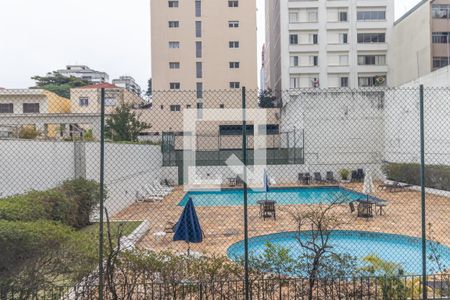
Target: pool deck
x,y
223,225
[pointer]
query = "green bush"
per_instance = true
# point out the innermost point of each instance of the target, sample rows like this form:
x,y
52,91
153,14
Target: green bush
x,y
71,203
436,176
22,244
85,194
49,205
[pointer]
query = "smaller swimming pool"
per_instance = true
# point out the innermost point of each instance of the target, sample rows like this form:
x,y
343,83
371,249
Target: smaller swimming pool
x,y
283,196
403,250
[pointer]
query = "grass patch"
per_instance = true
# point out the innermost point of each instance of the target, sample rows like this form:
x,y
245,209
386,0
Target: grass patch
x,y
129,227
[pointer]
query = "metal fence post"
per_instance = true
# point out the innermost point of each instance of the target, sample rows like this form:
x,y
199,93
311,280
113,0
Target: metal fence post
x,y
423,197
102,190
244,149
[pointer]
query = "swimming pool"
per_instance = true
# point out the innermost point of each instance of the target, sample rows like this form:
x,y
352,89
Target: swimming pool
x,y
283,196
400,249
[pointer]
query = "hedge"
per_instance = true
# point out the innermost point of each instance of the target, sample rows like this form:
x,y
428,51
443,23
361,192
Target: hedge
x,y
21,242
86,195
71,203
436,176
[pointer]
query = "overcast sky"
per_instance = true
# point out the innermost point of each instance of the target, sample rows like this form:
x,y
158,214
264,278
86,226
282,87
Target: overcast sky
x,y
38,36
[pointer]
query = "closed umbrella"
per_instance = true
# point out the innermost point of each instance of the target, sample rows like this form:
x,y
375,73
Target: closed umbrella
x,y
266,182
368,187
188,228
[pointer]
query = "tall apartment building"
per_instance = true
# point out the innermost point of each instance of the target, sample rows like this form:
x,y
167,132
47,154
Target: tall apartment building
x,y
421,41
84,72
324,43
128,83
203,44
198,47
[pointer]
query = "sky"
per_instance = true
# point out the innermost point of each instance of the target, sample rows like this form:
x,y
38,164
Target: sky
x,y
39,36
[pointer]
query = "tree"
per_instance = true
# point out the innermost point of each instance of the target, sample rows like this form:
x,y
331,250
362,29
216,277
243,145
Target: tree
x,y
149,88
315,225
124,124
58,84
266,99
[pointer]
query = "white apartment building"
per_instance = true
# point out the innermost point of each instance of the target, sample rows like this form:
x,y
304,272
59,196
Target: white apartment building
x,y
128,83
328,43
85,73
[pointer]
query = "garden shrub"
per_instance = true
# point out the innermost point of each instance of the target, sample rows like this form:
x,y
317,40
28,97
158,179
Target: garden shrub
x,y
23,243
86,195
50,205
436,176
71,203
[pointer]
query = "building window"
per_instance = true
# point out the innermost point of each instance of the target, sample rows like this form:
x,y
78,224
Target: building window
x,y
233,44
295,82
84,101
343,16
369,38
198,8
441,11
235,85
198,29
198,49
233,3
174,65
174,24
199,105
222,105
441,37
293,17
344,82
372,60
234,65
343,38
293,39
199,69
314,38
294,61
173,3
6,108
199,90
233,24
371,15
314,60
175,108
188,106
175,85
312,16
440,62
31,108
174,45
370,81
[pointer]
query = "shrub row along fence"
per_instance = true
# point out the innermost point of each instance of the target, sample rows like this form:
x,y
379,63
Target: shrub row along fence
x,y
238,194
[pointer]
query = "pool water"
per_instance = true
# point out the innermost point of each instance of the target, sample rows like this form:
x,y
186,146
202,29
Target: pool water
x,y
400,249
283,196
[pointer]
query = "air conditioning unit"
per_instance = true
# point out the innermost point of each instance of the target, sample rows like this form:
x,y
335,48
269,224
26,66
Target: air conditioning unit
x,y
315,83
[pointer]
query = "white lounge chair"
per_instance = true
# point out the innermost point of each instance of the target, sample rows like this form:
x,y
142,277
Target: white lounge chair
x,y
152,192
162,188
145,197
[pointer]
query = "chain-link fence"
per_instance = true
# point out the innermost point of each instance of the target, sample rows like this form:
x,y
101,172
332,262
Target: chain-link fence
x,y
304,194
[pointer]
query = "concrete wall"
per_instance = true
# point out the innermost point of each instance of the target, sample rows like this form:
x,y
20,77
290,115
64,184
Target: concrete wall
x,y
341,129
39,165
402,131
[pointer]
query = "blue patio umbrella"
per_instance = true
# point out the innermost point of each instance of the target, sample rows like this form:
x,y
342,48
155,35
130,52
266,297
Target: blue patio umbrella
x,y
188,228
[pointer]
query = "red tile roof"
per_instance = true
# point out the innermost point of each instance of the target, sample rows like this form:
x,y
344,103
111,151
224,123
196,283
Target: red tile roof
x,y
104,85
